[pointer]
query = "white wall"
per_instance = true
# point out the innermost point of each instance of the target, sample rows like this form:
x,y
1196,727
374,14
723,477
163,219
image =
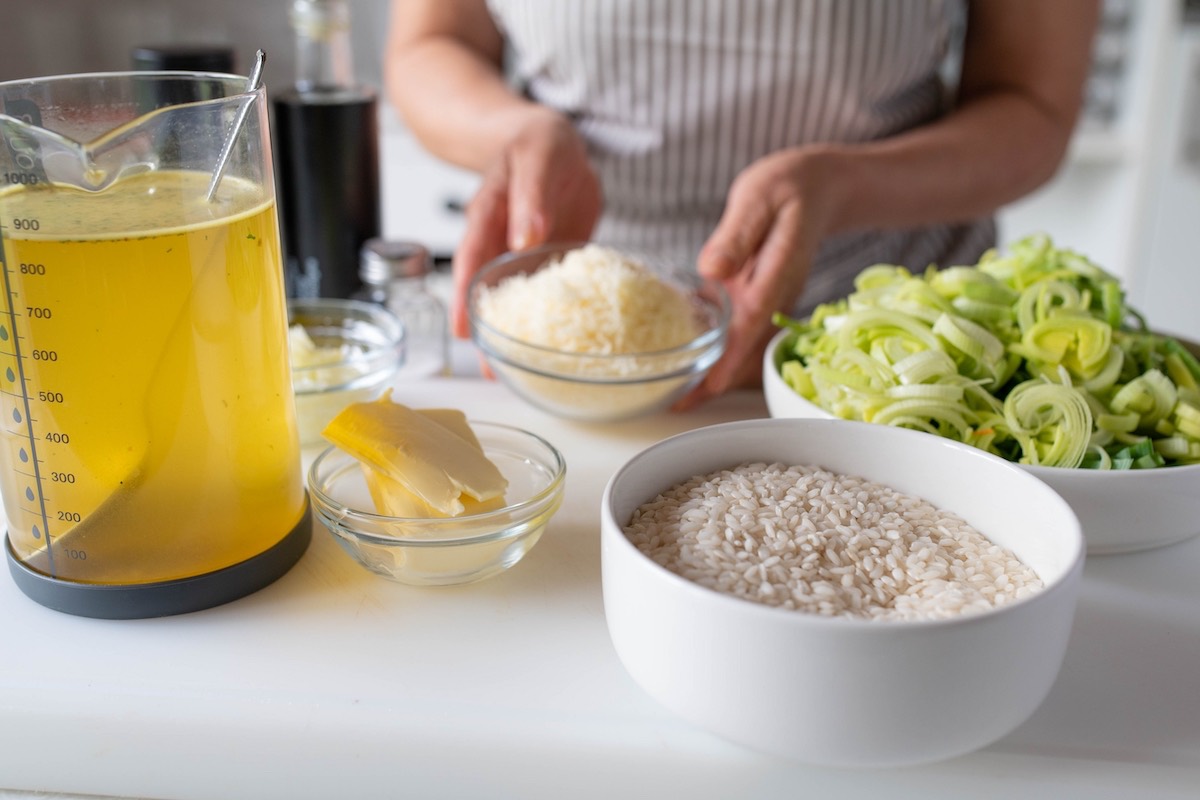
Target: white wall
x,y
50,37
1168,285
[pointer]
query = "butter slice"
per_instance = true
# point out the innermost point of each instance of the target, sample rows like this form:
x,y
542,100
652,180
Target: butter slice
x,y
425,453
455,421
395,500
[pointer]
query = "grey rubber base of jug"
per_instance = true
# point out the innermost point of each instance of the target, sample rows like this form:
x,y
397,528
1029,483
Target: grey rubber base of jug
x,y
180,596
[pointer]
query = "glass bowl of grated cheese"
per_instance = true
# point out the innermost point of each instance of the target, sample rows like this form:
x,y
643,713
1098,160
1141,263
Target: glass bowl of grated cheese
x,y
341,352
590,333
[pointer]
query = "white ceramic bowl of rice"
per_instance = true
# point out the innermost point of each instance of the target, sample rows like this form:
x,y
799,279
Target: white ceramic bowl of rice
x,y
589,333
1122,511
845,657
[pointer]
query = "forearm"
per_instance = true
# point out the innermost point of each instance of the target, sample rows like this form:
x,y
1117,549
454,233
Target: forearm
x,y
987,154
443,76
1025,63
455,103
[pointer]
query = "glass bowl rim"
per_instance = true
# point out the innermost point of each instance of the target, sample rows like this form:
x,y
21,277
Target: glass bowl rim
x,y
379,361
517,514
691,281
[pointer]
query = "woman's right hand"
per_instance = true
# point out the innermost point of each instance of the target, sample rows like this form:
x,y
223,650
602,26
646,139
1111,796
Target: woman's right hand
x,y
541,188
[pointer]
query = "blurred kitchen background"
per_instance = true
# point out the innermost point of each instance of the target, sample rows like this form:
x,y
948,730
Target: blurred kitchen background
x,y
1128,196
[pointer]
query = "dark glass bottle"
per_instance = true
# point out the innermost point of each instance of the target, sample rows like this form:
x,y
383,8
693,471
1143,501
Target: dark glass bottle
x,y
327,157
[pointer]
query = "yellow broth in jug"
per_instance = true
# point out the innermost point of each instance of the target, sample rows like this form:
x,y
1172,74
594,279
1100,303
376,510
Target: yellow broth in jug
x,y
150,430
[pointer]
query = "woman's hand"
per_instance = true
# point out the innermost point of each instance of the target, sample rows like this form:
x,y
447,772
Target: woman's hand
x,y
445,76
540,189
1024,67
775,216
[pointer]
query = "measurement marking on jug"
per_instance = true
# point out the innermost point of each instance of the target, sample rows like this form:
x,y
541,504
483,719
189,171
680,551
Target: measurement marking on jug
x,y
21,179
27,224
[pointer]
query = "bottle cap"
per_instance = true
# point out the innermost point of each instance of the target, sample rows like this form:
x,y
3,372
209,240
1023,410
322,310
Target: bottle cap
x,y
182,56
381,261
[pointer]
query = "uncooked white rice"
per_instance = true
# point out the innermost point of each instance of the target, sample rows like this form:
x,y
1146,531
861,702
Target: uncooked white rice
x,y
805,538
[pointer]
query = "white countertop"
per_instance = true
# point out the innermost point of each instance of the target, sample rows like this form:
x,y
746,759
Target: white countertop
x,y
333,682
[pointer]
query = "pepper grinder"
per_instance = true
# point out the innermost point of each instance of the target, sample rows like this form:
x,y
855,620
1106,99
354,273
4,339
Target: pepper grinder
x,y
395,274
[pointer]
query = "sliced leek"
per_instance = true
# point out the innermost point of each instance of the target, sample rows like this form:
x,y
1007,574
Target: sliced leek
x,y
1032,354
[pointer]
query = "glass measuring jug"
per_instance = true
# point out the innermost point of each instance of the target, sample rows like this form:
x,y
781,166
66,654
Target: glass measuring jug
x,y
149,457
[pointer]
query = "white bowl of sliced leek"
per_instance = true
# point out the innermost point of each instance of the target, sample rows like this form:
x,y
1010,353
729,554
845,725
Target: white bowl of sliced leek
x,y
1108,417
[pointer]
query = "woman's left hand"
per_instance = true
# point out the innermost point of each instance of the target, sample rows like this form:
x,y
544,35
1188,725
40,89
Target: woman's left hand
x,y
761,250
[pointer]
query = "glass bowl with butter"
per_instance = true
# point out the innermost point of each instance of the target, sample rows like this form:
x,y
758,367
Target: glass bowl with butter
x,y
393,532
341,352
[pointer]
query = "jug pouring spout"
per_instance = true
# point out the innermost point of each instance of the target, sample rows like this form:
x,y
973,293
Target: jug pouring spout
x,y
132,126
44,156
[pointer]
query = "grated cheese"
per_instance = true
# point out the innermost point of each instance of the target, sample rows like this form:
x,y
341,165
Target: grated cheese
x,y
594,300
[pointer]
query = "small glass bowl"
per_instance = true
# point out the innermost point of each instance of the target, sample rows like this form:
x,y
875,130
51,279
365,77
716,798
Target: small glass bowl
x,y
593,387
361,348
444,551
